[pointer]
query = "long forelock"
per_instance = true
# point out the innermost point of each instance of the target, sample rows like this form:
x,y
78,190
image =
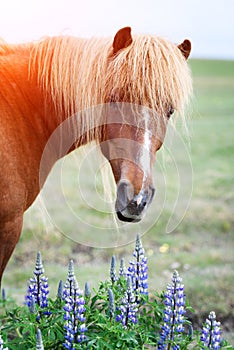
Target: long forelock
x,y
82,73
152,72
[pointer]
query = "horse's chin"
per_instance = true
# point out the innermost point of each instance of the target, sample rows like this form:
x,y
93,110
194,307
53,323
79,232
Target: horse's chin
x,y
121,217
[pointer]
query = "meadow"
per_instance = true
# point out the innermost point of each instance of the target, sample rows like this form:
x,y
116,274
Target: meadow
x,y
189,226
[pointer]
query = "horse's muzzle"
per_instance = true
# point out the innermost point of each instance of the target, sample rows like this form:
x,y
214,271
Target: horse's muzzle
x,y
130,207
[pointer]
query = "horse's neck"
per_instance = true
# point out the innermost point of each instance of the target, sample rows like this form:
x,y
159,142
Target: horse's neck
x,y
21,94
28,115
31,105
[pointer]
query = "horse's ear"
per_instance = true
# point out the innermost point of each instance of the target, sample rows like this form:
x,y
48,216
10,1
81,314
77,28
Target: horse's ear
x,y
185,48
122,39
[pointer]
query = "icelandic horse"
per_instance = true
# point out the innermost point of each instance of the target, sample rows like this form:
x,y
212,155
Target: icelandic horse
x,y
43,84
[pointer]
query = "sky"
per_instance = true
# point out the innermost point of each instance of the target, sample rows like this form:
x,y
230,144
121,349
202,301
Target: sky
x,y
208,24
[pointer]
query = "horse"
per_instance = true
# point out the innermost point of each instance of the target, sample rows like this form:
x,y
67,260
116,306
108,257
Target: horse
x,y
45,83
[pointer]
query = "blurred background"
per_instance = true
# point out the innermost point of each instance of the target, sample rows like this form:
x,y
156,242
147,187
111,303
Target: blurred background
x,y
198,240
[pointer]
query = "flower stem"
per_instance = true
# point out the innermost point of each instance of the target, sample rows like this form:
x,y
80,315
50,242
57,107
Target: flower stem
x,y
210,334
38,289
173,317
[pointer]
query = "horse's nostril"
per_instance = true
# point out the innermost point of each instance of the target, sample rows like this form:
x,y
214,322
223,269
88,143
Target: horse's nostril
x,y
138,204
125,191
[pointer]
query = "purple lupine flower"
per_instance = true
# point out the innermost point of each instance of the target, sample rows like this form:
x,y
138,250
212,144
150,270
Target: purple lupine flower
x,y
113,275
39,342
3,294
111,303
74,311
128,308
38,288
210,337
173,326
87,291
138,270
67,290
60,290
122,268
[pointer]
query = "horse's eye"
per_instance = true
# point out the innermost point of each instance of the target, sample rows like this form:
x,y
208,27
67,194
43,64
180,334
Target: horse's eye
x,y
171,111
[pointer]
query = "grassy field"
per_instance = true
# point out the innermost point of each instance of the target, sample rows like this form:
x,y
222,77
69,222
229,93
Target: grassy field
x,y
197,241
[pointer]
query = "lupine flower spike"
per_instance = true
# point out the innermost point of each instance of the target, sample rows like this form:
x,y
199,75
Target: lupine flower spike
x,y
60,290
128,308
111,305
67,290
138,270
39,342
173,326
74,311
122,268
38,286
113,275
3,294
87,291
210,337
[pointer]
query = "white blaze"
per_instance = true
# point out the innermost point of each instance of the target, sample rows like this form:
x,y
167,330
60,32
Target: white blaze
x,y
145,149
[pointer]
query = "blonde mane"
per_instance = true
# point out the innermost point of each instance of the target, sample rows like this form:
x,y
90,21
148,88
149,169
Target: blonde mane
x,y
82,73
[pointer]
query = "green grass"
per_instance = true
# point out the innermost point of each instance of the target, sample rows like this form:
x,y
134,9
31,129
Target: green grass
x,y
200,247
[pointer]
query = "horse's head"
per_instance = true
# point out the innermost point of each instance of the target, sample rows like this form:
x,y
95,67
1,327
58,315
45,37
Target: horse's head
x,y
144,85
130,144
